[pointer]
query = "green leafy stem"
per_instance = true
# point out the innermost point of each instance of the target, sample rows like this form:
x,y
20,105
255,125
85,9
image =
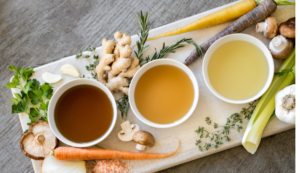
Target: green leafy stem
x,y
33,97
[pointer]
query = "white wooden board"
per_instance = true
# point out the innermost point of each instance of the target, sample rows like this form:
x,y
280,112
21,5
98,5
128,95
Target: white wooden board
x,y
208,104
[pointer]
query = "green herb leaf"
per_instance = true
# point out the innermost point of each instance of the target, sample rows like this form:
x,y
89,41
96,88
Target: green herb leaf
x,y
208,121
283,72
217,137
78,55
123,105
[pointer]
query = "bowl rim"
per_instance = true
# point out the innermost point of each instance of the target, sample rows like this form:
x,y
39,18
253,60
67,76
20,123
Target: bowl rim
x,y
150,65
56,96
244,37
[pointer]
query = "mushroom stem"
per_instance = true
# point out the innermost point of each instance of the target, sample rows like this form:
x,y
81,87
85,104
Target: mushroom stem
x,y
140,147
261,27
39,139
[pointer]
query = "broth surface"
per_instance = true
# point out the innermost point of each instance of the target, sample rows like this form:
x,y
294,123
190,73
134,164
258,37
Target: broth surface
x,y
164,94
83,113
238,70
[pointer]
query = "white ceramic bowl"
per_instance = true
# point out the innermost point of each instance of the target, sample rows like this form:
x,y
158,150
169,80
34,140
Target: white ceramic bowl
x,y
148,66
57,95
242,37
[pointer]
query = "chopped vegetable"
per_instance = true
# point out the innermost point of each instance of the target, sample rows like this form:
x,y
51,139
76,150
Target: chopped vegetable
x,y
51,78
285,101
287,28
143,139
227,14
266,106
38,141
70,70
70,153
127,131
280,47
53,165
258,14
269,27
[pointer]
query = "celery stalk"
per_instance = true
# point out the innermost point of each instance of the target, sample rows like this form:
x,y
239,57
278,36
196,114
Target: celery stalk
x,y
266,106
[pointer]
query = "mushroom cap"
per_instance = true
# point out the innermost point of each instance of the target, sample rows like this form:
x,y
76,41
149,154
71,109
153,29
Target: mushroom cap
x,y
144,138
285,52
287,28
272,27
38,141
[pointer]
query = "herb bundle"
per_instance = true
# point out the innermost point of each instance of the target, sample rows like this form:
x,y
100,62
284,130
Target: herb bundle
x,y
216,138
33,98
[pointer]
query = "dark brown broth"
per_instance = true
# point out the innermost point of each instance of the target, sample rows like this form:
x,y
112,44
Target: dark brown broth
x,y
83,113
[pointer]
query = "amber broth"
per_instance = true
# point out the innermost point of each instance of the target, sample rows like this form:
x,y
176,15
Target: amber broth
x,y
238,70
83,113
164,94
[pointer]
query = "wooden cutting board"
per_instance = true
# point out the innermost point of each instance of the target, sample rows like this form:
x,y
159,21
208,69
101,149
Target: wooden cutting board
x,y
208,105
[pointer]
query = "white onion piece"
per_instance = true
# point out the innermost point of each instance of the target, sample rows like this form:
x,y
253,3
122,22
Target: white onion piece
x,y
53,165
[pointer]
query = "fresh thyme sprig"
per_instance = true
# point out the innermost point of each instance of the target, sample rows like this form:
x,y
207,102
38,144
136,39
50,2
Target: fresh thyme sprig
x,y
216,138
92,66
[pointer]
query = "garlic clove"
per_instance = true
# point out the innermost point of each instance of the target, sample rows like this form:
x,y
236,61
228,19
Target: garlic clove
x,y
51,78
69,69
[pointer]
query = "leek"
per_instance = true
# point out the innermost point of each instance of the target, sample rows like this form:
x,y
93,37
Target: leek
x,y
266,106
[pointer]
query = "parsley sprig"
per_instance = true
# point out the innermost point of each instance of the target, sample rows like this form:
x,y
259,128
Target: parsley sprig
x,y
33,97
216,138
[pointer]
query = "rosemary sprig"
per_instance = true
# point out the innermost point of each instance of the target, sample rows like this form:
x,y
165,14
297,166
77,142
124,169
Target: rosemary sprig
x,y
123,105
170,49
141,48
216,138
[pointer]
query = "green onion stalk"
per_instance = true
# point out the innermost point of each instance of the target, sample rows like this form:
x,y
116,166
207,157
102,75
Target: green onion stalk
x,y
266,106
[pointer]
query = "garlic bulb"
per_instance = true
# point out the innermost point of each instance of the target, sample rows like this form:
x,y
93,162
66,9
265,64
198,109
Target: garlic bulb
x,y
285,101
51,78
53,165
69,69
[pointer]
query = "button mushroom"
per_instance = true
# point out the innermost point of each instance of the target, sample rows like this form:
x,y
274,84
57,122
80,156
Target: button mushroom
x,y
287,28
280,47
269,27
127,131
143,139
38,141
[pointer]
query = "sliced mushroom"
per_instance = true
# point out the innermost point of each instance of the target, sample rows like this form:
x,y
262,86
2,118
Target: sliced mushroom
x,y
38,141
143,139
127,131
280,47
269,27
287,28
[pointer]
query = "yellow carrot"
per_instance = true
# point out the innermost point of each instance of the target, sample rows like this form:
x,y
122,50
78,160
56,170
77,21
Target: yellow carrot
x,y
225,15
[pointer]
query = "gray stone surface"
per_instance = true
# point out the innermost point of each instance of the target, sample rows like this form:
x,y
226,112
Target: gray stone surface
x,y
38,32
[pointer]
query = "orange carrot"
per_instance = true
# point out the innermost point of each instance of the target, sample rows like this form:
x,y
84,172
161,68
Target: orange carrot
x,y
70,153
